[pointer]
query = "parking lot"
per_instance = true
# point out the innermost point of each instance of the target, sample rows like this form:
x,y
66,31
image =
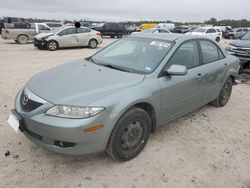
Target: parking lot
x,y
206,148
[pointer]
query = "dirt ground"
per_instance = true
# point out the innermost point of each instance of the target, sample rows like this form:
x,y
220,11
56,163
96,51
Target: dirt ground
x,y
208,148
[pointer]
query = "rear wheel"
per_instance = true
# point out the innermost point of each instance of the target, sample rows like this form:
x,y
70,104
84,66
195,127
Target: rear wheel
x,y
225,94
52,45
129,135
22,39
93,43
112,36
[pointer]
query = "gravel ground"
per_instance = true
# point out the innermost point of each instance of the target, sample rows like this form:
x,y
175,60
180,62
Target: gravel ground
x,y
208,148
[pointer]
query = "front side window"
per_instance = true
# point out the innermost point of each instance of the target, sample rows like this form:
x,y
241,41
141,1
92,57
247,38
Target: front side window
x,y
210,52
199,30
137,55
69,31
187,54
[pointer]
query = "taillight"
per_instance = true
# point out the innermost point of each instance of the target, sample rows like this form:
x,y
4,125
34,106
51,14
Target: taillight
x,y
98,33
7,32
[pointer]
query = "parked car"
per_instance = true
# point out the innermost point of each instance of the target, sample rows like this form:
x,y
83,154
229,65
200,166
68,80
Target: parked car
x,y
18,23
68,37
209,32
241,49
235,33
111,29
114,99
146,26
180,29
22,36
168,26
54,25
154,30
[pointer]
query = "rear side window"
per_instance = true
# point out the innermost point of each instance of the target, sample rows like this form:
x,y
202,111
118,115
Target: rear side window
x,y
187,55
54,25
43,27
210,52
83,30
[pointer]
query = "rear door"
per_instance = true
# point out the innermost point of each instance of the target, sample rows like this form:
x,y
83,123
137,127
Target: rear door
x,y
67,38
213,69
180,94
83,36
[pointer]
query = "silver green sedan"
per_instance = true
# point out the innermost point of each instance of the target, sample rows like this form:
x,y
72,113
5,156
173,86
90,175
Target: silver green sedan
x,y
68,37
114,99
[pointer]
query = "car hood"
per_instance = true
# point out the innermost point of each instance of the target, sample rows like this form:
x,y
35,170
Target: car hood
x,y
42,35
80,83
241,43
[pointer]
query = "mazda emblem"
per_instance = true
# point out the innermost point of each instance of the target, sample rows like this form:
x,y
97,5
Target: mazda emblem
x,y
25,100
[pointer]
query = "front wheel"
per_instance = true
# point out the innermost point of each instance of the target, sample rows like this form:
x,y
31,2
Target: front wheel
x,y
22,39
119,35
129,135
225,94
52,45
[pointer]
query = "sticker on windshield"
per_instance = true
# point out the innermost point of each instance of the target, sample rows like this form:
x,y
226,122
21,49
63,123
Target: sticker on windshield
x,y
148,68
160,44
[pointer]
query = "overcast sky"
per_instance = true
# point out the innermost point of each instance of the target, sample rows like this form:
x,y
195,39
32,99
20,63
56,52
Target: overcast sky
x,y
123,10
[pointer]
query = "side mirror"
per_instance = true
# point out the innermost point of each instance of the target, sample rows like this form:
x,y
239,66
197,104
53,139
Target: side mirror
x,y
176,70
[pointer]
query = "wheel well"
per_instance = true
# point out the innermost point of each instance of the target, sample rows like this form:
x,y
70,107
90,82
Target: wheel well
x,y
232,78
24,35
54,41
93,39
151,112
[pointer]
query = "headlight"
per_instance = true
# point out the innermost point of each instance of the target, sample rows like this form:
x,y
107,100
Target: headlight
x,y
76,112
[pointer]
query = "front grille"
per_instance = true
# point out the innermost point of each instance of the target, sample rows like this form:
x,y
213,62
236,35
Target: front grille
x,y
28,104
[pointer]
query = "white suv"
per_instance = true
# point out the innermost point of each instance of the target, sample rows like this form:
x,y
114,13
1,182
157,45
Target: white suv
x,y
210,32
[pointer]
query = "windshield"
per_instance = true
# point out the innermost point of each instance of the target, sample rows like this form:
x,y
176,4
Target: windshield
x,y
199,30
246,36
137,55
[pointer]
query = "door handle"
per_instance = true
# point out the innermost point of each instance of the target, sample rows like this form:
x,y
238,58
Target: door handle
x,y
199,76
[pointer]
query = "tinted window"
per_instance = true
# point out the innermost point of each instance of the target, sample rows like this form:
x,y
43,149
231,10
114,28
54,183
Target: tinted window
x,y
210,51
187,55
83,30
245,30
211,31
69,31
218,30
14,20
54,25
239,30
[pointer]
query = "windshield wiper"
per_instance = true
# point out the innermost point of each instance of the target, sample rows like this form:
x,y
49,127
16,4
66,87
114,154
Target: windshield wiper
x,y
114,67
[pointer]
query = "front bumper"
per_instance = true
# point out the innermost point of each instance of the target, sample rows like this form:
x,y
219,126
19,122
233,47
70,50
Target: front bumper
x,y
63,135
243,57
40,43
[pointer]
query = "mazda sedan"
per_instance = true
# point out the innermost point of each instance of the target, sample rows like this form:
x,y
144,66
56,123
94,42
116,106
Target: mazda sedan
x,y
114,99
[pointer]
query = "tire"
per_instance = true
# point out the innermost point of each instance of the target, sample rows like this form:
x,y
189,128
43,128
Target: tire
x,y
217,39
119,35
130,135
112,36
224,94
52,45
22,39
93,43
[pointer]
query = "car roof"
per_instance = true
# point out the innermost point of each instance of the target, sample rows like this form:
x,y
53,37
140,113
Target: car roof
x,y
163,36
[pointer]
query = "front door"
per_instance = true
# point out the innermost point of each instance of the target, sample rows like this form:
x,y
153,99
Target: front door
x,y
67,38
180,94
